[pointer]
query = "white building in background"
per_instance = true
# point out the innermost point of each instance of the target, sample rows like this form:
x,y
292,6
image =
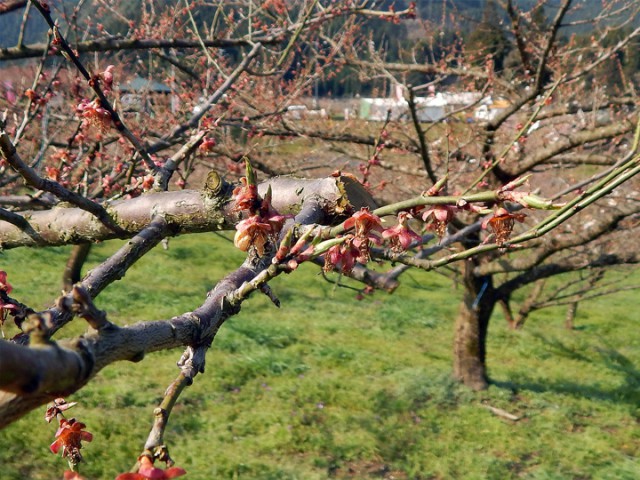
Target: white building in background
x,y
432,108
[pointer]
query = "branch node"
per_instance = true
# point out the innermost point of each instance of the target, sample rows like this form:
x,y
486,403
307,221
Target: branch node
x,y
80,303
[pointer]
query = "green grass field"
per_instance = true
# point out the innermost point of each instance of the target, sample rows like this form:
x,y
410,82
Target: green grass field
x,y
332,387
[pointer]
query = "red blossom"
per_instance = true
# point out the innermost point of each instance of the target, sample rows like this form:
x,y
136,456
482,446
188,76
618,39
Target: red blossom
x,y
364,223
401,236
148,471
147,182
207,144
69,438
438,217
343,257
245,196
5,307
93,113
501,224
31,95
53,173
4,285
253,232
69,475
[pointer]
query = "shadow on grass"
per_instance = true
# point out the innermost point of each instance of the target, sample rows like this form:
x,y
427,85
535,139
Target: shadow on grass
x,y
610,358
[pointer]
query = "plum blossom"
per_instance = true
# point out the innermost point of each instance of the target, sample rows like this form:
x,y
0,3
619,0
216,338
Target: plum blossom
x,y
438,217
401,236
94,114
364,222
59,406
343,257
147,182
107,78
256,231
207,145
4,285
5,307
69,438
70,475
148,471
501,224
367,227
245,196
53,173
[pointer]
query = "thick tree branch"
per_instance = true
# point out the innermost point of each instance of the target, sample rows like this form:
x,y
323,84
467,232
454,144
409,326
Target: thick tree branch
x,y
6,7
569,264
123,44
566,143
186,211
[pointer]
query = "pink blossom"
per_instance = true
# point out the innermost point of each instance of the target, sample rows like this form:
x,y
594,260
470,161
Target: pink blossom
x,y
438,217
501,224
364,223
4,285
253,232
207,145
148,471
107,78
343,257
401,236
59,406
93,113
69,438
70,475
245,196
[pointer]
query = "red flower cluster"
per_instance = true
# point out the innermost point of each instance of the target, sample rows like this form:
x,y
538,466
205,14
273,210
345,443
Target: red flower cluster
x,y
94,114
367,230
343,257
264,223
256,231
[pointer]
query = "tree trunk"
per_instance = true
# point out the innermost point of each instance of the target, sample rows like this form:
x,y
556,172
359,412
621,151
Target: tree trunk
x,y
571,316
469,350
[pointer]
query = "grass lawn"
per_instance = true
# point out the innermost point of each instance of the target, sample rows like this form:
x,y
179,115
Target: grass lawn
x,y
332,387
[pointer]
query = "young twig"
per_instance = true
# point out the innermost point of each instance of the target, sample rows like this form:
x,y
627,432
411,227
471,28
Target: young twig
x,y
70,55
9,153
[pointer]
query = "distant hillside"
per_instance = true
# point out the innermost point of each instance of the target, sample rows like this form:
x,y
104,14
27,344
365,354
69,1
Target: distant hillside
x,y
434,10
35,31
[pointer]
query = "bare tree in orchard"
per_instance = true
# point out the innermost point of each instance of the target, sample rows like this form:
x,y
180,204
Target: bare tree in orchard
x,y
542,186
